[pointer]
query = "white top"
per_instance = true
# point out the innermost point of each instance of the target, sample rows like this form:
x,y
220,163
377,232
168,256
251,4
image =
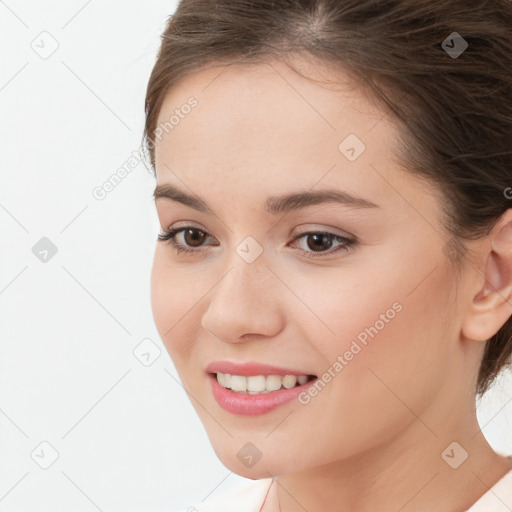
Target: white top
x,y
250,498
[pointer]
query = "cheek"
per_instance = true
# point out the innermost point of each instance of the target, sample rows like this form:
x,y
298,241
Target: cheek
x,y
393,347
398,310
392,365
173,298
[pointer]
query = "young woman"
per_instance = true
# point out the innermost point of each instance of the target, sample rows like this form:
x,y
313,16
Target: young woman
x,y
333,279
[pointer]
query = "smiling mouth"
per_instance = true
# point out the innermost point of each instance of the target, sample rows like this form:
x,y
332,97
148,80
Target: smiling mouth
x,y
260,384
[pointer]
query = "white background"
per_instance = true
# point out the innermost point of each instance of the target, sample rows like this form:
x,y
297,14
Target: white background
x,y
127,436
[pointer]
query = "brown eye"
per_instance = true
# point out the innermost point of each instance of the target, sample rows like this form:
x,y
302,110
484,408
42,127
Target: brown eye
x,y
194,237
187,239
319,241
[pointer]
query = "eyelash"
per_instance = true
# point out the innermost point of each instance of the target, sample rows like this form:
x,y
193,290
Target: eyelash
x,y
170,237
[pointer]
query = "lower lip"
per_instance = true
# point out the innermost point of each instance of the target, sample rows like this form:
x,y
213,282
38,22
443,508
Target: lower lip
x,y
252,405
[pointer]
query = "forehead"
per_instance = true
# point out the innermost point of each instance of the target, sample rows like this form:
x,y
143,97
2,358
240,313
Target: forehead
x,y
262,129
264,104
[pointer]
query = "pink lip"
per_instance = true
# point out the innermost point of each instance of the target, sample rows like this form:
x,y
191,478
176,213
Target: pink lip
x,y
250,368
252,405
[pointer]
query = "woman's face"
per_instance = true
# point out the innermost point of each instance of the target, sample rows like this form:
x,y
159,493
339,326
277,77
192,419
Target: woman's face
x,y
370,304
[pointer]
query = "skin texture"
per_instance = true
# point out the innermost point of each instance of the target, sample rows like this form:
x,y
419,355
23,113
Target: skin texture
x,y
372,438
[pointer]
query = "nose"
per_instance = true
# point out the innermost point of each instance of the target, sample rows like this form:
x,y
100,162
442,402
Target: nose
x,y
245,304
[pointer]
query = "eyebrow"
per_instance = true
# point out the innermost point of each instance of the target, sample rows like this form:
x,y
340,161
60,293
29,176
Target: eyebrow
x,y
274,204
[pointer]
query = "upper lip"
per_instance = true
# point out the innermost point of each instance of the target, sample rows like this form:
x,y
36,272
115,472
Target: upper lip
x,y
250,368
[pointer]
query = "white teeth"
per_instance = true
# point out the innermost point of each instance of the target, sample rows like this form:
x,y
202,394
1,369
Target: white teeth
x,y
221,379
302,379
256,384
289,381
273,382
238,383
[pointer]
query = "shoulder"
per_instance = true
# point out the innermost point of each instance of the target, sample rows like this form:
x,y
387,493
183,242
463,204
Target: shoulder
x,y
248,498
498,498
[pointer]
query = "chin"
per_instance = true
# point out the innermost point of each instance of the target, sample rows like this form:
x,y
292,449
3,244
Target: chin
x,y
247,461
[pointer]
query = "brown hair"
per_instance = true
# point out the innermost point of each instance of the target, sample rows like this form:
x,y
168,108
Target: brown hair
x,y
454,111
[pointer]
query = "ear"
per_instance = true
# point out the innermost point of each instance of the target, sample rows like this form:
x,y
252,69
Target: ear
x,y
491,306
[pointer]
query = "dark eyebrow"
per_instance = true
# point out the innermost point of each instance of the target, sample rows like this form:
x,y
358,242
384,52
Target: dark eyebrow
x,y
168,191
294,201
274,204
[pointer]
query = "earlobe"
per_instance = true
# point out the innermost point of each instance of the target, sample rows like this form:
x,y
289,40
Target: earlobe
x,y
491,306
